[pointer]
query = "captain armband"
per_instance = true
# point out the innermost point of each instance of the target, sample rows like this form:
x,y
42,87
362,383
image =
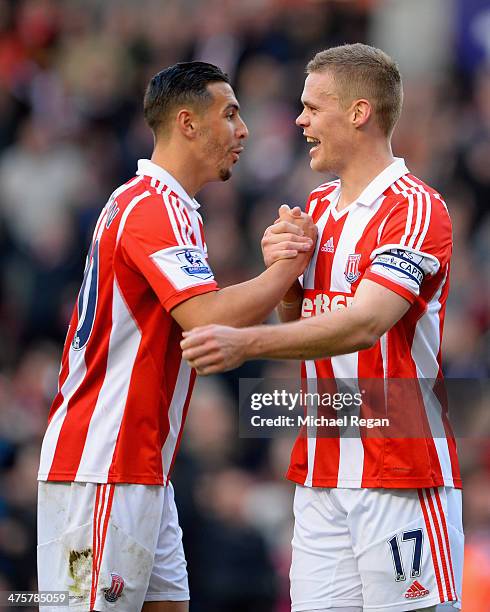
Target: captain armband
x,y
401,266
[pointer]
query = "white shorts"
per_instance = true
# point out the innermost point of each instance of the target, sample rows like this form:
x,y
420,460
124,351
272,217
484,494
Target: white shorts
x,y
112,547
376,549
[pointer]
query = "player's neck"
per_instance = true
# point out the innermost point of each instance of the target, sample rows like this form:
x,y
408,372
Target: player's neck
x,y
179,167
360,171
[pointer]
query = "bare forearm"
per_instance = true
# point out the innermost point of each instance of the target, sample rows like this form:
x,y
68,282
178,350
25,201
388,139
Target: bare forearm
x,y
373,312
289,309
251,302
336,333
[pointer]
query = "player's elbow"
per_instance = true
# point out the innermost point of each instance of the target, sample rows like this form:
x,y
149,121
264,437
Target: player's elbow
x,y
369,329
367,340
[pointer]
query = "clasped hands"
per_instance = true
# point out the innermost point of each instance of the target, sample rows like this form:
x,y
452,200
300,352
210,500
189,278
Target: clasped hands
x,y
292,236
216,348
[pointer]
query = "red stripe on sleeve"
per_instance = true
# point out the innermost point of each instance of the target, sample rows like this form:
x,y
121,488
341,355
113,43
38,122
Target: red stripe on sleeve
x,y
389,284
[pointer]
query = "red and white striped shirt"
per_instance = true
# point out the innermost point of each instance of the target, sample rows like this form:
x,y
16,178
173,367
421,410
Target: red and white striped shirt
x,y
123,388
397,234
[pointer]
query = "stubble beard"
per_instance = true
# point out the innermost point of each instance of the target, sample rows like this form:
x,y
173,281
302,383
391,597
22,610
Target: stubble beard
x,y
225,174
213,150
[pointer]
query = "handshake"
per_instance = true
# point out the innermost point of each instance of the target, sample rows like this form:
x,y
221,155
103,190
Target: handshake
x,y
292,236
214,348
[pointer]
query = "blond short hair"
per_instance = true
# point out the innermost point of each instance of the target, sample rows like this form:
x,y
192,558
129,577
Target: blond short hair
x,y
362,71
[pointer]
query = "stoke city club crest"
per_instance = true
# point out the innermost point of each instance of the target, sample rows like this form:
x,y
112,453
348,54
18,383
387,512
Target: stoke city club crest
x,y
352,268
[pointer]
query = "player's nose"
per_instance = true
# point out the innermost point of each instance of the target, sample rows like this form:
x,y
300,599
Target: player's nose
x,y
242,130
302,119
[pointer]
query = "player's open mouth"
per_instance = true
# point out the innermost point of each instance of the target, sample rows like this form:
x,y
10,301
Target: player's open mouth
x,y
236,153
314,141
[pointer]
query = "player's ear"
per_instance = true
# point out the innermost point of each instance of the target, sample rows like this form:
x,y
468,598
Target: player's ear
x,y
361,111
186,121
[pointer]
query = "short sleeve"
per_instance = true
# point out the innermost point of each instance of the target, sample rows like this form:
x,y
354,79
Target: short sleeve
x,y
158,241
414,242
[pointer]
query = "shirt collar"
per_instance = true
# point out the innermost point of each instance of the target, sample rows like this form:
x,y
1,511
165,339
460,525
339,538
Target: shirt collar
x,y
149,168
384,179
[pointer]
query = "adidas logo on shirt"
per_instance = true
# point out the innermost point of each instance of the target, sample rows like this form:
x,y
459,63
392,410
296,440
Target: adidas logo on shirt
x,y
328,246
416,590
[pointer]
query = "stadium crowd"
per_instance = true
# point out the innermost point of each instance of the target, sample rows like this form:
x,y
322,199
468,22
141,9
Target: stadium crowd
x,y
72,77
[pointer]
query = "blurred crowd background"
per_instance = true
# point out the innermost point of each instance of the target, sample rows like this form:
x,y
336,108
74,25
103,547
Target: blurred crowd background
x,y
72,77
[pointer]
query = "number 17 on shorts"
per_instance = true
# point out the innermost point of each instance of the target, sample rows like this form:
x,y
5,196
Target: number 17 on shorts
x,y
376,549
421,564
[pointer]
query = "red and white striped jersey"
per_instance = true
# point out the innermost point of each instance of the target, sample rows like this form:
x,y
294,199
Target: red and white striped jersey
x,y
397,234
124,389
